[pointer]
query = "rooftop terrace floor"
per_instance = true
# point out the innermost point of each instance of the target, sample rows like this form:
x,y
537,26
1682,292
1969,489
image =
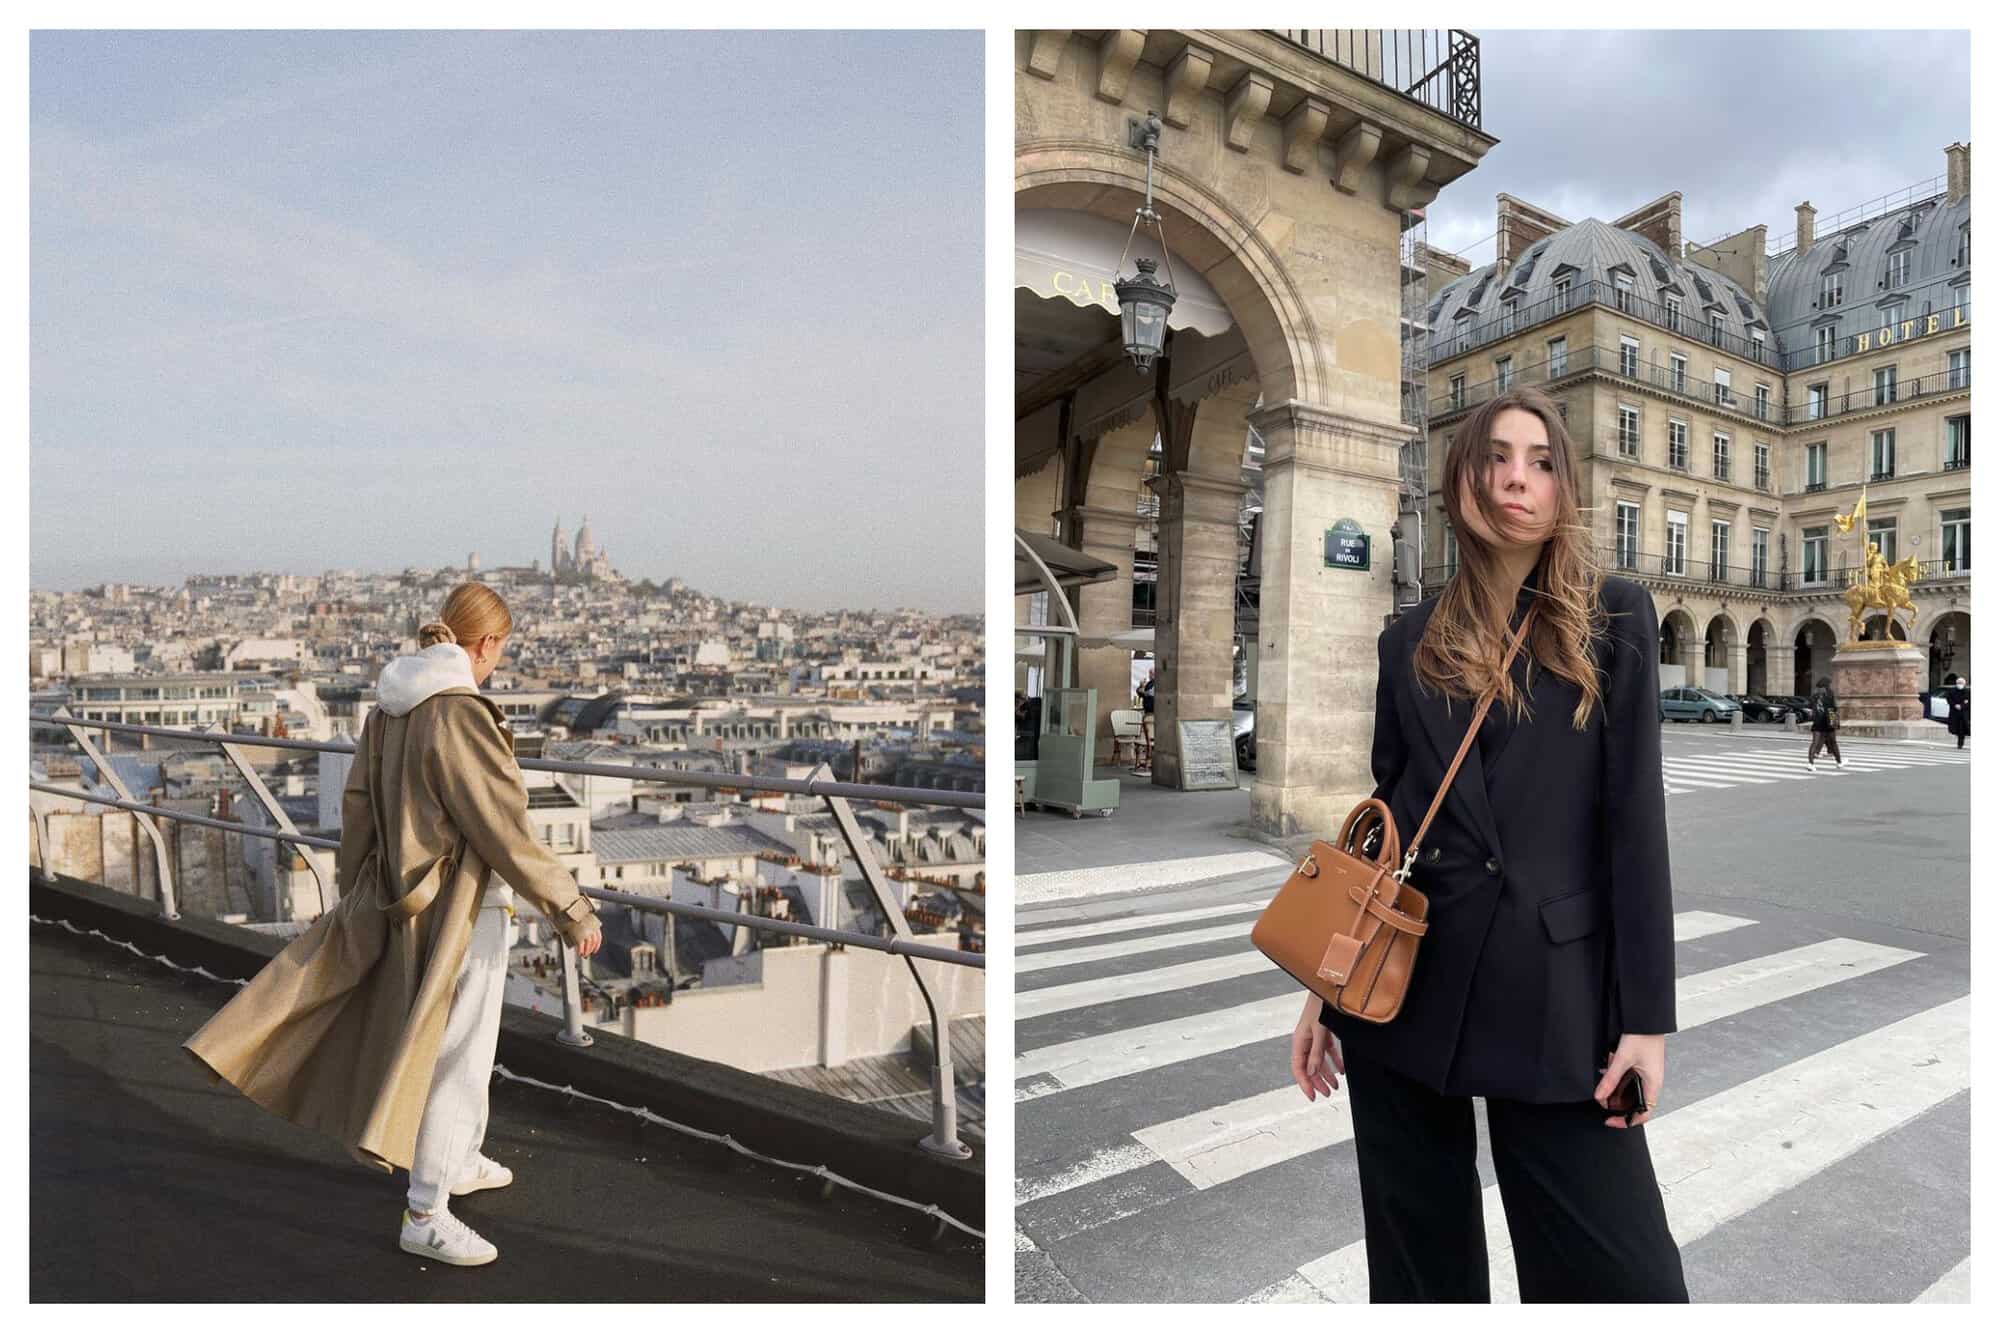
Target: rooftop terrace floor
x,y
148,1183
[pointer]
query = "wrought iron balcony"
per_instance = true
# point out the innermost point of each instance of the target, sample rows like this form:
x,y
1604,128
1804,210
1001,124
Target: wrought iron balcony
x,y
1666,379
1473,332
1437,68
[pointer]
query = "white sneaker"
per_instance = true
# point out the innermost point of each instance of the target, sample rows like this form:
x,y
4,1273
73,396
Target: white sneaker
x,y
1811,766
487,1174
446,1239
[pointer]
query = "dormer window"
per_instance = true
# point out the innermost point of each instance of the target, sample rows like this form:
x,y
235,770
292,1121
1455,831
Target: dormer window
x,y
1829,291
1964,255
1562,293
1508,310
1622,293
1899,269
1673,304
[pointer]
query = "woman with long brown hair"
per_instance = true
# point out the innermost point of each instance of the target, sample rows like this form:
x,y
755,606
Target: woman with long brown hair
x,y
1545,984
378,1025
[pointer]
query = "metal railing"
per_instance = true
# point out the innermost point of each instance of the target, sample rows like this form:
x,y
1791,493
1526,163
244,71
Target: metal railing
x,y
943,1138
1470,334
1438,68
1657,565
1861,400
1679,383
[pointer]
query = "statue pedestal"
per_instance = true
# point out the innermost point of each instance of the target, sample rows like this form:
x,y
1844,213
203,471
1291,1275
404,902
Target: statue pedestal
x,y
1877,683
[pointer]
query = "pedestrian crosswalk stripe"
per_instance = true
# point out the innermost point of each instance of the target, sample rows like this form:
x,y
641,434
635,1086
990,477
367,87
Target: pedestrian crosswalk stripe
x,y
1098,953
1707,996
1089,1060
1681,779
1036,936
1682,770
1105,990
1696,925
1092,880
1727,1154
1954,1288
1221,1143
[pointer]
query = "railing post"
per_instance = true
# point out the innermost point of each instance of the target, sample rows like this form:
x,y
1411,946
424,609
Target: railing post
x,y
106,774
943,1139
235,755
572,1033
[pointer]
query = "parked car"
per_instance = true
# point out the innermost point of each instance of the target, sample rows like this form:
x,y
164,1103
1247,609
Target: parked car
x,y
1244,713
1759,708
1689,703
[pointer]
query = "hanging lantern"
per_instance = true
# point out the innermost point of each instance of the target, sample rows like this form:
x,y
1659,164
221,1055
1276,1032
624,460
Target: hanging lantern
x,y
1143,303
1143,299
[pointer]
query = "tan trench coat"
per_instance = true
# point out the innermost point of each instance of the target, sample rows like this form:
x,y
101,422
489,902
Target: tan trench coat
x,y
340,1032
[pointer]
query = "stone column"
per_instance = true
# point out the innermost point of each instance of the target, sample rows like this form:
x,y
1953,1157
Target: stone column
x,y
1739,668
1196,633
1106,608
1109,522
1780,661
1317,629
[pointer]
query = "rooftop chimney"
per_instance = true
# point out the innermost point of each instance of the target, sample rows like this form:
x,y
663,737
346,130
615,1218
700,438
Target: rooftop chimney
x,y
1658,221
1803,238
1957,172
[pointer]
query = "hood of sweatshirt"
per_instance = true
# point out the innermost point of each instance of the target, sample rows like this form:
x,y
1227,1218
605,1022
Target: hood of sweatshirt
x,y
408,681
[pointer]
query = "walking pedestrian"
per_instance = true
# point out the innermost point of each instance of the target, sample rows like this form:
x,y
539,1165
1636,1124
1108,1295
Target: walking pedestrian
x,y
1959,699
378,1024
1825,710
1546,975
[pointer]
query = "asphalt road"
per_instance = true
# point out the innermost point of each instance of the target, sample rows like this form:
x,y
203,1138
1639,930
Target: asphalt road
x,y
1813,1143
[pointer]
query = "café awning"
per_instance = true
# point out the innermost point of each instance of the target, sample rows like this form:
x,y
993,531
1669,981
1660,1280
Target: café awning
x,y
1059,253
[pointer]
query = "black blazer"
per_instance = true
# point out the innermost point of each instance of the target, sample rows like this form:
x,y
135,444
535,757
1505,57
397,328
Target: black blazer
x,y
1551,899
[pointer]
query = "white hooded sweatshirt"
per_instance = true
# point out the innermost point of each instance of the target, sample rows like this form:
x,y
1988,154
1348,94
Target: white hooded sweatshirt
x,y
407,682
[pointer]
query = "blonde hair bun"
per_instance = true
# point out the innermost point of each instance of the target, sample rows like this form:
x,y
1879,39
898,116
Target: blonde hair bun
x,y
434,633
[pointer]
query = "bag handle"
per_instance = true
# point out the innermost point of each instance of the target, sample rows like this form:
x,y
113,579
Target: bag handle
x,y
1471,732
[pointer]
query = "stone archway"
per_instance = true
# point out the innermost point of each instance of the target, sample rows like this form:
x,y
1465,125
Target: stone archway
x,y
1813,643
1722,656
1760,648
1949,638
1330,453
1679,664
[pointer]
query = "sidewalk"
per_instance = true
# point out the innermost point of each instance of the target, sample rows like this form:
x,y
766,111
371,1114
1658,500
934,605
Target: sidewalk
x,y
1156,838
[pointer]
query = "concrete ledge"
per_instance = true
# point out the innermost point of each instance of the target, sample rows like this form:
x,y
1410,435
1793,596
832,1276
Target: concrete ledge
x,y
873,1148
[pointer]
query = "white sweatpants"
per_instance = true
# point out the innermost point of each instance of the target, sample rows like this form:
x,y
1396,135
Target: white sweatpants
x,y
454,1124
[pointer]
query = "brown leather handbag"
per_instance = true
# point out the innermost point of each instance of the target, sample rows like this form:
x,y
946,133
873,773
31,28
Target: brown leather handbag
x,y
1346,923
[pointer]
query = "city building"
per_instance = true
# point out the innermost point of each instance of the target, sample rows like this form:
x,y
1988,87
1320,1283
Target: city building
x,y
1726,402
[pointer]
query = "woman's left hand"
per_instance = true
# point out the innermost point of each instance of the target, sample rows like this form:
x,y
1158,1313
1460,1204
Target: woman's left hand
x,y
1649,1055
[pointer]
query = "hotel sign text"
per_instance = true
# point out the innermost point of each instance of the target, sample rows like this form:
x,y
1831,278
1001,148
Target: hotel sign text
x,y
1889,335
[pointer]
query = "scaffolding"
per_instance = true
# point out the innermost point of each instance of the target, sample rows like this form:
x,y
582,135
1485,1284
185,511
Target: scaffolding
x,y
1414,491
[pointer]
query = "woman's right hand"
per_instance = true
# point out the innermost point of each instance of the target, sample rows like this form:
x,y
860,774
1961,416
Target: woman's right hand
x,y
1316,1062
586,945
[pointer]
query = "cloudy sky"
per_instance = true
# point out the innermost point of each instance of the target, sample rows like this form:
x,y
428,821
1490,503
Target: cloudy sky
x,y
1746,125
324,300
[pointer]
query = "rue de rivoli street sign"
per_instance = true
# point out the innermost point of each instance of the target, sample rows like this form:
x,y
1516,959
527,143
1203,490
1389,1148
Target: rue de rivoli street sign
x,y
1346,546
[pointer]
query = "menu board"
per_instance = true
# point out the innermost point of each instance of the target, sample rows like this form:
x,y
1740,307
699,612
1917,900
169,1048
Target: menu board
x,y
1208,755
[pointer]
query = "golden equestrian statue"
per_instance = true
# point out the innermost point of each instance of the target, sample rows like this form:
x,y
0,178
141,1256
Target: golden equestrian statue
x,y
1880,586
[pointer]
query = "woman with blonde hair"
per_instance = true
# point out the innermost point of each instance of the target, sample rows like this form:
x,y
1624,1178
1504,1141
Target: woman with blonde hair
x,y
378,1025
1545,984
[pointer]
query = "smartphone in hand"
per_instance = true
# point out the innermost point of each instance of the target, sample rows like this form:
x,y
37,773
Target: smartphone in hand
x,y
1629,1097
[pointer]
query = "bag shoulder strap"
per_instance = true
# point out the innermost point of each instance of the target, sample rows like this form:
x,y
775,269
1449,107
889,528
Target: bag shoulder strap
x,y
1464,746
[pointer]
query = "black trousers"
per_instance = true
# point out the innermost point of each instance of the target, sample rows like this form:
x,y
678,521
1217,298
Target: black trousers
x,y
1583,1206
1824,740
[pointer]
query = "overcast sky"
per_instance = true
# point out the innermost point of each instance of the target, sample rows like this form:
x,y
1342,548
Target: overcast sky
x,y
1746,125
324,300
